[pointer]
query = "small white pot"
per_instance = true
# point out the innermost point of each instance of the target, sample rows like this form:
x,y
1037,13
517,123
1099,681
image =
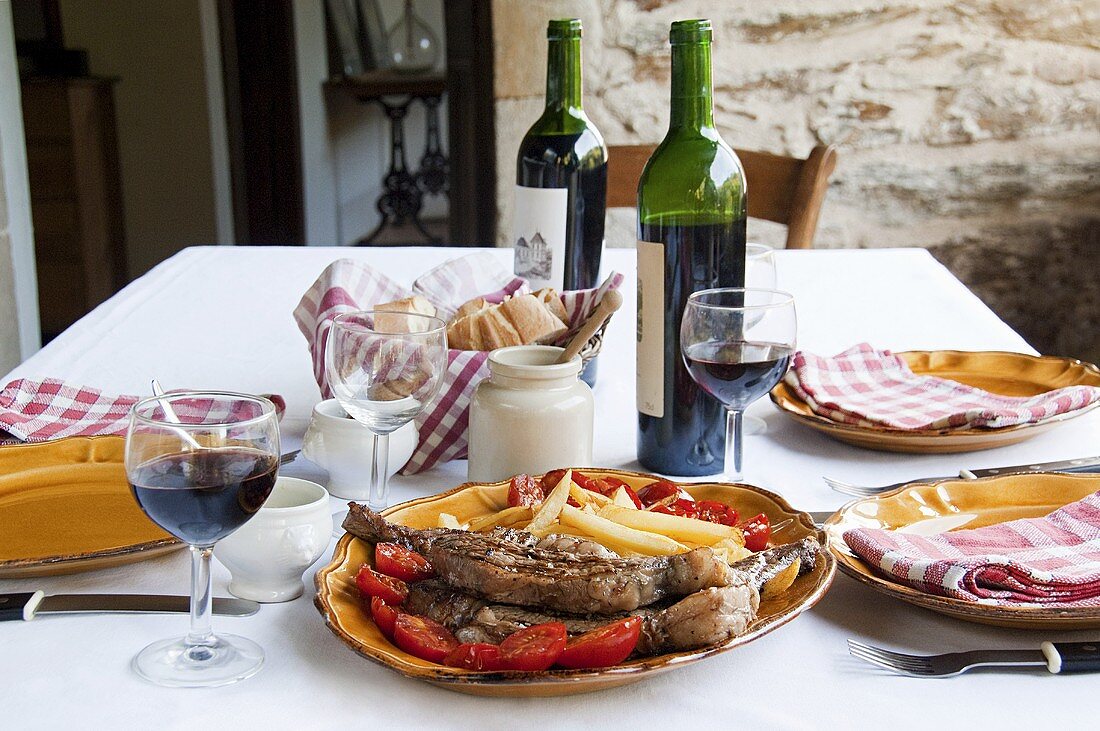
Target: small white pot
x,y
345,448
268,555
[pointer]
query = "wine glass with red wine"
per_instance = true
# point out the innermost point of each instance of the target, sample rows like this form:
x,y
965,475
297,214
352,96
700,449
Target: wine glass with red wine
x,y
384,368
200,464
737,344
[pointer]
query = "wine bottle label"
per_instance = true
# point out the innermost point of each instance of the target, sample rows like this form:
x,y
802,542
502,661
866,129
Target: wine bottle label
x,y
651,328
538,234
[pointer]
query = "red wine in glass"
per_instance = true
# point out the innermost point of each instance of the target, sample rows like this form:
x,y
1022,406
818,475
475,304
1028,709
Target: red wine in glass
x,y
737,373
204,495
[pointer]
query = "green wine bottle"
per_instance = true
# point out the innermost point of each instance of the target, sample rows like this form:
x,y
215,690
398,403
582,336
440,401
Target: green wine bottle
x,y
561,178
691,236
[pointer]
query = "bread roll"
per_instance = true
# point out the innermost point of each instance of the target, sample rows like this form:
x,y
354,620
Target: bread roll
x,y
532,319
519,320
416,305
477,304
550,297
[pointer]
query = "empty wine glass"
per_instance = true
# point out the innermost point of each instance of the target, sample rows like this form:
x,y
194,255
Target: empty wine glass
x,y
383,368
737,344
759,274
759,266
200,464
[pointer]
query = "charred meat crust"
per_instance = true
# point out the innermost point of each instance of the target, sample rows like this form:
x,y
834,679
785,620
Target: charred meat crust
x,y
504,567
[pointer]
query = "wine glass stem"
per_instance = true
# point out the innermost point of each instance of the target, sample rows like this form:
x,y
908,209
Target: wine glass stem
x,y
733,445
201,591
379,486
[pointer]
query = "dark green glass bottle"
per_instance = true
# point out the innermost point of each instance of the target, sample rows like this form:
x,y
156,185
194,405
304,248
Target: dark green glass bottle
x,y
561,177
691,236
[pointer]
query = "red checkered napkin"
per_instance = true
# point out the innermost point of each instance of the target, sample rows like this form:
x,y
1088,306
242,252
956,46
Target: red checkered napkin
x,y
38,411
347,285
869,387
1052,561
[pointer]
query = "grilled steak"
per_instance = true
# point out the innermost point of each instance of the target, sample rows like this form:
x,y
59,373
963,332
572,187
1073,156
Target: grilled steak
x,y
504,567
707,617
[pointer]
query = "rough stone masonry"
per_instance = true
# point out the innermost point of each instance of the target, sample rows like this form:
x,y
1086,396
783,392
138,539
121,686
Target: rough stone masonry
x,y
969,128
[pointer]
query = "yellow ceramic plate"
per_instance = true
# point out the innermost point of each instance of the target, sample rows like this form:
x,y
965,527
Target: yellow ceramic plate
x,y
338,599
957,504
1009,374
65,506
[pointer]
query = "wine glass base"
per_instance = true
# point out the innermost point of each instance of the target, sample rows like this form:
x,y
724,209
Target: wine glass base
x,y
177,664
754,425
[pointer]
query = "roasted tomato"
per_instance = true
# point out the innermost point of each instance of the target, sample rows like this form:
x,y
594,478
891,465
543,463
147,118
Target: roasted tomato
x,y
534,648
401,563
474,656
655,492
679,506
383,615
523,490
551,479
757,530
588,483
604,646
390,590
716,512
423,637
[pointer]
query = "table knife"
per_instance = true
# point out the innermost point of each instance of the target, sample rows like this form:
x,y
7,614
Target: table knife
x,y
1083,464
27,605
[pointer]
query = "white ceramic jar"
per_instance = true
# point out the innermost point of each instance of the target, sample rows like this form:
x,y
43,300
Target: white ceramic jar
x,y
532,414
267,555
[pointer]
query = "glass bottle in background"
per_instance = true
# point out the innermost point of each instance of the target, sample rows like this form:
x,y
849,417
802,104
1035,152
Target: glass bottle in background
x,y
561,178
412,46
691,236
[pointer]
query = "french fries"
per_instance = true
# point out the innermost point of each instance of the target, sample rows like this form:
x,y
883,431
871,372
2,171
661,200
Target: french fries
x,y
781,581
507,518
623,500
446,520
676,527
552,505
602,529
587,497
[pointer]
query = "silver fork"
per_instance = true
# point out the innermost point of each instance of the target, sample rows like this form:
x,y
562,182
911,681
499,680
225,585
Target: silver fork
x,y
872,490
1057,658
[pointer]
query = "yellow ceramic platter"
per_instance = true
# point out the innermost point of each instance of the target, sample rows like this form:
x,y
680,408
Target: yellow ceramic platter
x,y
339,603
1009,374
65,506
963,504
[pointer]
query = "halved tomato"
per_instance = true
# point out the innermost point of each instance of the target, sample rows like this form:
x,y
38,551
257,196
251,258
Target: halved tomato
x,y
716,512
475,656
660,490
390,590
604,646
523,490
383,615
401,563
534,648
679,506
423,637
551,479
758,531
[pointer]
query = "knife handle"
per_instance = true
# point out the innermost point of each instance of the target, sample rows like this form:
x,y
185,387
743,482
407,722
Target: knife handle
x,y
1072,657
20,606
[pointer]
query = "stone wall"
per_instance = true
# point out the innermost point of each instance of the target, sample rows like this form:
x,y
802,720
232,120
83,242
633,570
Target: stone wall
x,y
970,128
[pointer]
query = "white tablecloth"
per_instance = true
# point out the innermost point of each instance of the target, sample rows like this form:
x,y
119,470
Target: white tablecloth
x,y
221,317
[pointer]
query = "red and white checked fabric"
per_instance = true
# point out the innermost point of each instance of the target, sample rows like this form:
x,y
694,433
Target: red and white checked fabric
x,y
38,411
1052,561
869,387
347,285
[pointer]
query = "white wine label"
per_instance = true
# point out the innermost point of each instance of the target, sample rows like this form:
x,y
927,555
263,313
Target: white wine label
x,y
538,234
651,328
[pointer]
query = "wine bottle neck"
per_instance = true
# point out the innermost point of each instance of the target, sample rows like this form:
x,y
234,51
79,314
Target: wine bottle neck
x,y
563,75
692,103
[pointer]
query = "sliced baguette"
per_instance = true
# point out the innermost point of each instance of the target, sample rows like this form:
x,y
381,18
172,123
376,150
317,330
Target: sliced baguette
x,y
550,297
496,330
532,319
396,323
477,304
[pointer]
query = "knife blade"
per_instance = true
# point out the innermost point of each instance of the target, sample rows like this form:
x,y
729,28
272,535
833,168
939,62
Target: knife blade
x,y
27,605
1083,464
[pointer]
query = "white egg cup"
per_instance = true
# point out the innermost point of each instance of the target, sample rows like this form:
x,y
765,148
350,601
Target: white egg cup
x,y
268,555
345,448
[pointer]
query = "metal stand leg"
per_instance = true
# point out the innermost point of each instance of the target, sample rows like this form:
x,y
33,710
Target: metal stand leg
x,y
432,176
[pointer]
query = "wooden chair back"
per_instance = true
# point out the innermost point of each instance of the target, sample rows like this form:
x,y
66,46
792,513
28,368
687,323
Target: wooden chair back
x,y
786,190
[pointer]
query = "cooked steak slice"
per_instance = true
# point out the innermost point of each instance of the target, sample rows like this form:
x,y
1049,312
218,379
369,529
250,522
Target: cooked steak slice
x,y
504,569
704,618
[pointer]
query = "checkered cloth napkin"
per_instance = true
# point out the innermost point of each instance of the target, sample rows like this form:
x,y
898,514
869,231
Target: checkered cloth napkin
x,y
869,387
347,285
38,411
1052,561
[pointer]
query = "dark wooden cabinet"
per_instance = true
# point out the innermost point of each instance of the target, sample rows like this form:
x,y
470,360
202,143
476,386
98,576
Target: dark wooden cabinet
x,y
76,195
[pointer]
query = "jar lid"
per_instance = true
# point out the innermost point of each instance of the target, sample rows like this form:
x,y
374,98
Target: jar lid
x,y
537,362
